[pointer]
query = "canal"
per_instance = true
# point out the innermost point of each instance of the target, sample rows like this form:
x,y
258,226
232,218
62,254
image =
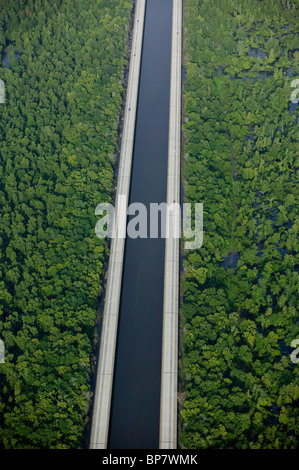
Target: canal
x,y
135,406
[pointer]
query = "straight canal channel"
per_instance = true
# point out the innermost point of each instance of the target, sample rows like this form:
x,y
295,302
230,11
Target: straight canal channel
x,y
135,406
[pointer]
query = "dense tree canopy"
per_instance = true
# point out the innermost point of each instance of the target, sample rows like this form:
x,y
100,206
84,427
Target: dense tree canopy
x,y
239,387
59,134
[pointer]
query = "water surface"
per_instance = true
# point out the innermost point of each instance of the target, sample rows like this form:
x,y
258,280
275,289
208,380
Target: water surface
x,y
135,406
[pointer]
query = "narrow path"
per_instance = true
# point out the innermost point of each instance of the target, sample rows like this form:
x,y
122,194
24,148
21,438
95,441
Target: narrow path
x,y
102,400
169,375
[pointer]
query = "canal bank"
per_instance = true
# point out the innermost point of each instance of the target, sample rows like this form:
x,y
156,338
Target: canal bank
x,y
169,374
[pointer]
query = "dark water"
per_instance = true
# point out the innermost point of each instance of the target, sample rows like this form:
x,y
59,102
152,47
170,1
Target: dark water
x,y
135,408
5,59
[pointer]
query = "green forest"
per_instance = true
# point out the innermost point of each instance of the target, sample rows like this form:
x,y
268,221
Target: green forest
x,y
239,387
59,134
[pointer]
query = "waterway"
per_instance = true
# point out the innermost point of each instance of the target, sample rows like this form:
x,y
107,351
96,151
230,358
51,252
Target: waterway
x,y
135,407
